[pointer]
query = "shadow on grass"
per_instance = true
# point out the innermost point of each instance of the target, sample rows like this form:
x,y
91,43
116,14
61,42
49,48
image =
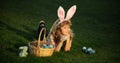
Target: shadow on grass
x,y
27,35
14,48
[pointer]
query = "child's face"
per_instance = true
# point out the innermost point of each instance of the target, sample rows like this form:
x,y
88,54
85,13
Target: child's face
x,y
65,30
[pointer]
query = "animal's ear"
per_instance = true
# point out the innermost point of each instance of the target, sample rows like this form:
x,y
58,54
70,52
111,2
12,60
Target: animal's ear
x,y
70,12
61,13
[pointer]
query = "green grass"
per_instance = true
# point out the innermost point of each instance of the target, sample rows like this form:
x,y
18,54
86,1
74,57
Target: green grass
x,y
96,24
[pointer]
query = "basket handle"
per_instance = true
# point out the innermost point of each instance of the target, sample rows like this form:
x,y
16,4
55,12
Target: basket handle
x,y
44,38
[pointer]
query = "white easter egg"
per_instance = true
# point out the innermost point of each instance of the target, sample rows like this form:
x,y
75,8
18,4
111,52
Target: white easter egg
x,y
84,48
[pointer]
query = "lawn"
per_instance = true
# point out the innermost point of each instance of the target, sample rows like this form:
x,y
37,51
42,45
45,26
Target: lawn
x,y
96,24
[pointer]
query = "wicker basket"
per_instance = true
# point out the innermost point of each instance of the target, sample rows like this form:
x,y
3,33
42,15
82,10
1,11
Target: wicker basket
x,y
36,49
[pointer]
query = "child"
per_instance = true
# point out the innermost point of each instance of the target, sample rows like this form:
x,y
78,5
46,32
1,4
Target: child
x,y
62,31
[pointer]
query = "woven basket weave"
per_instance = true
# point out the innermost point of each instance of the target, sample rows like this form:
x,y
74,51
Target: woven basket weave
x,y
35,47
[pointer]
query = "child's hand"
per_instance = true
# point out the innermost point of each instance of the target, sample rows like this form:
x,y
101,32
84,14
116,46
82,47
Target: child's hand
x,y
53,43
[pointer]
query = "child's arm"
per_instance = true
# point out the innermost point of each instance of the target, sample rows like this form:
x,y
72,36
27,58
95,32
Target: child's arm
x,y
52,39
68,43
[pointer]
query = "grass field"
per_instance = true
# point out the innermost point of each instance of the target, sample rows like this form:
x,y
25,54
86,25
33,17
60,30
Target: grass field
x,y
96,24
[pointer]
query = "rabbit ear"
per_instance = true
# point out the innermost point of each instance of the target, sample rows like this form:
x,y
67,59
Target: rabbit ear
x,y
61,13
70,12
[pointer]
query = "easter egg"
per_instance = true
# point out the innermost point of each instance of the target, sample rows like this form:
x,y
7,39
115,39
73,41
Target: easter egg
x,y
50,46
44,46
93,51
84,48
89,49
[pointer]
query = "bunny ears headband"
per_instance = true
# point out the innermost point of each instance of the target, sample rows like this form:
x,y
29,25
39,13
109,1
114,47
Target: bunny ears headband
x,y
70,13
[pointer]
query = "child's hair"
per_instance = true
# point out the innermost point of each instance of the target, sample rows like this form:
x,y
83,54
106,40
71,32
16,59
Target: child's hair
x,y
57,34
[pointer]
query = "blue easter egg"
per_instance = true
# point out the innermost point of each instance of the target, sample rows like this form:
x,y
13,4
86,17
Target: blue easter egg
x,y
89,49
93,51
46,47
50,46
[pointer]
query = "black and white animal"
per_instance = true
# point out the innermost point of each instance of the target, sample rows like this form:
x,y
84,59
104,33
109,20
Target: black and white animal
x,y
41,25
